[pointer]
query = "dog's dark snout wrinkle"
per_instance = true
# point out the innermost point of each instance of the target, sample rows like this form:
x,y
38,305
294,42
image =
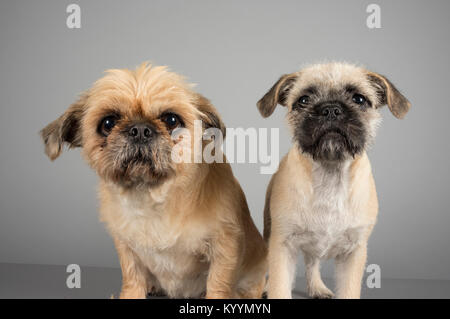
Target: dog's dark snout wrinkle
x,y
141,133
331,112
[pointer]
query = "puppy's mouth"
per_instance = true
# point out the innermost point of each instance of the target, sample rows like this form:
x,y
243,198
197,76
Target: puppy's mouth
x,y
330,140
330,144
332,133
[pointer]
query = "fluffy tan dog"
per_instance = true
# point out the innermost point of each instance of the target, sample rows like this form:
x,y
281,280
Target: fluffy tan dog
x,y
322,200
183,229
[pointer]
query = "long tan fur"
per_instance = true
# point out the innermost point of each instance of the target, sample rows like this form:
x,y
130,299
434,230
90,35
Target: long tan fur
x,y
183,229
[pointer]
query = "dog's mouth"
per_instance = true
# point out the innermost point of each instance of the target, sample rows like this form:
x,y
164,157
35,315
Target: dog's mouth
x,y
139,158
140,165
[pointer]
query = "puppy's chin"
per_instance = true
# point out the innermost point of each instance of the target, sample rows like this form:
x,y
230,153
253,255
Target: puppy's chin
x,y
332,145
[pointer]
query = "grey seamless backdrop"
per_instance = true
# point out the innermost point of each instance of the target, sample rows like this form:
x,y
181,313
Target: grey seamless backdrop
x,y
235,51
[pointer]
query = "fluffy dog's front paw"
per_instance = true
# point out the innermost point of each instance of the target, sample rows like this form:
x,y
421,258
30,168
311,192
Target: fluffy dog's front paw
x,y
135,293
156,292
218,295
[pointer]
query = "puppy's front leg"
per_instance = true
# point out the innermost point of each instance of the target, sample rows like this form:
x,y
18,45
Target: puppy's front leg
x,y
134,273
225,258
349,273
316,287
282,262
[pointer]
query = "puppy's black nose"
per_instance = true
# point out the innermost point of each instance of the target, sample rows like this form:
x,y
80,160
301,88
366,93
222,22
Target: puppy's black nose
x,y
141,133
331,112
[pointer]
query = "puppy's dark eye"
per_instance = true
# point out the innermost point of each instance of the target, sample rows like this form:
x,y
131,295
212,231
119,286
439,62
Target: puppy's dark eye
x,y
358,99
107,124
171,120
304,100
301,102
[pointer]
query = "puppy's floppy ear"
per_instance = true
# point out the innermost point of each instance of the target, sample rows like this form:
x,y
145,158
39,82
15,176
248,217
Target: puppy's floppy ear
x,y
210,116
388,94
65,129
276,95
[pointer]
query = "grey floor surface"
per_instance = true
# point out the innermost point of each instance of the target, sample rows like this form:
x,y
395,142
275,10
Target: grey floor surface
x,y
44,281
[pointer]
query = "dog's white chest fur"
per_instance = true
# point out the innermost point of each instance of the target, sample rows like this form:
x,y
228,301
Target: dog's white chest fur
x,y
326,223
173,249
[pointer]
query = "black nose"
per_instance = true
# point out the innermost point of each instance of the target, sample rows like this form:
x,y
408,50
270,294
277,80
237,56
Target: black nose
x,y
141,133
331,112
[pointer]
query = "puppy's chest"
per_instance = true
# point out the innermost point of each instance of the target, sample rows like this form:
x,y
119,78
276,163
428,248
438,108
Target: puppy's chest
x,y
327,223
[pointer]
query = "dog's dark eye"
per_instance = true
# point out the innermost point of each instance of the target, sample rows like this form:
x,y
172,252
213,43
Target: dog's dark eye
x,y
359,99
171,120
107,124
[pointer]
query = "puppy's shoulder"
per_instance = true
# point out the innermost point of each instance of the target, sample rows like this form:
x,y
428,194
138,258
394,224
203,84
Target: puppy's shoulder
x,y
295,170
291,183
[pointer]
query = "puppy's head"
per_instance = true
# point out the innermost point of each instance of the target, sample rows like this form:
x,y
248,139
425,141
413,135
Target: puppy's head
x,y
124,124
333,108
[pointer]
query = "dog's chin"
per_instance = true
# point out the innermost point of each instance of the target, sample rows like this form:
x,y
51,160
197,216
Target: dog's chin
x,y
138,173
332,146
143,175
132,166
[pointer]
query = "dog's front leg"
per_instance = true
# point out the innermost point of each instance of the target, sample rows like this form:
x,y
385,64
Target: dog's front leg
x,y
225,258
282,261
134,273
349,273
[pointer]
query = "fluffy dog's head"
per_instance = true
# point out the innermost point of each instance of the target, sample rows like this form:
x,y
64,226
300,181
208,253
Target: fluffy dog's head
x,y
333,108
124,124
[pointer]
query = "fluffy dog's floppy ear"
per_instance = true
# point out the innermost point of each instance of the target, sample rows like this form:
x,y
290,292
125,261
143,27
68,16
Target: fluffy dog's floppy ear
x,y
65,129
388,94
210,116
276,95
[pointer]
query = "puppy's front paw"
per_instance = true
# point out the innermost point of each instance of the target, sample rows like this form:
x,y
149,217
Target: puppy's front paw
x,y
320,293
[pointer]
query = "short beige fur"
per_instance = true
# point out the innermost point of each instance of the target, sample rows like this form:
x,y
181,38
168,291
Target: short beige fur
x,y
323,209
